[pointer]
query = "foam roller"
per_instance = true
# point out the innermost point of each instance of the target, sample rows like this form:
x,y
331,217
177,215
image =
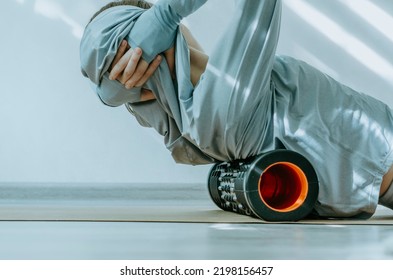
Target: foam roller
x,y
280,185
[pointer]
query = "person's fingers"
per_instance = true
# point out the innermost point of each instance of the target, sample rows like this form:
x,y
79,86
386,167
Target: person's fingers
x,y
133,65
120,66
120,52
137,74
150,71
129,69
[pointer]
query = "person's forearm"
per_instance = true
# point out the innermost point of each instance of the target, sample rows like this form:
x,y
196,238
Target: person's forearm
x,y
182,7
155,30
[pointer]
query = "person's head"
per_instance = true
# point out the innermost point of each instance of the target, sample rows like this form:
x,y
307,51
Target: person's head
x,y
100,41
137,3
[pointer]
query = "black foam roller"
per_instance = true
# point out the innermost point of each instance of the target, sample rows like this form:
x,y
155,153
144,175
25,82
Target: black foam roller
x,y
280,185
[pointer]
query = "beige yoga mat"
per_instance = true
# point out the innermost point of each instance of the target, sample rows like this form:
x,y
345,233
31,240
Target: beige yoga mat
x,y
177,214
131,203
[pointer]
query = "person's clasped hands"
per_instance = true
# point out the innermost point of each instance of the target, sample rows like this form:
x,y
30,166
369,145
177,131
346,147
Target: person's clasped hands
x,y
131,70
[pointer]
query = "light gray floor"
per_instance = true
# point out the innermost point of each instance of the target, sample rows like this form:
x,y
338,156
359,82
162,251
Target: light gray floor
x,y
107,240
146,240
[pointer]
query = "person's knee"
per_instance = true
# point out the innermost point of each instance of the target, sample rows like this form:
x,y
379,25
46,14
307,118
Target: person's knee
x,y
387,198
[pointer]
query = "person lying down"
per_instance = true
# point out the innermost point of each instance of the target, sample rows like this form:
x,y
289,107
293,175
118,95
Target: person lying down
x,y
242,100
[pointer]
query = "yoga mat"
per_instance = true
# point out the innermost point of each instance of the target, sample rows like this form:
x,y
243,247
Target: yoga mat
x,y
181,203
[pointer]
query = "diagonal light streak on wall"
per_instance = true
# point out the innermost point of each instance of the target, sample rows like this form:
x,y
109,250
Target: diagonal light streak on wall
x,y
54,11
374,16
350,44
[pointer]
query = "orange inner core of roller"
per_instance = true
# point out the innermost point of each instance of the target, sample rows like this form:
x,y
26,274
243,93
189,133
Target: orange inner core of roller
x,y
283,187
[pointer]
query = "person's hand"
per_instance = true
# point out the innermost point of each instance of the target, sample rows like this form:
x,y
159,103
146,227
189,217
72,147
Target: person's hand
x,y
129,68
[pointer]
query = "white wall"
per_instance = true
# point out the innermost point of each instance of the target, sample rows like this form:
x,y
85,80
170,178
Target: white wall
x,y
54,128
